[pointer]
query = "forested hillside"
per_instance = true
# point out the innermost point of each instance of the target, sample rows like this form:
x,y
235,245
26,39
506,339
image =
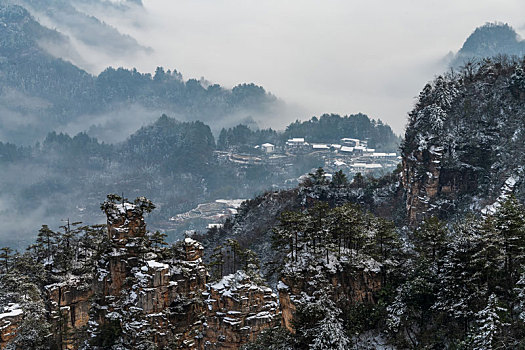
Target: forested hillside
x,y
332,128
41,93
328,128
173,162
347,279
331,251
451,271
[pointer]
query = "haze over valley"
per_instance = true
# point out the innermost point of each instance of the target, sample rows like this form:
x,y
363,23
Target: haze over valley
x,y
232,174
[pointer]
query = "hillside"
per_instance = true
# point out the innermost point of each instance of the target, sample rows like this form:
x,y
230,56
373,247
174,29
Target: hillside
x,y
333,127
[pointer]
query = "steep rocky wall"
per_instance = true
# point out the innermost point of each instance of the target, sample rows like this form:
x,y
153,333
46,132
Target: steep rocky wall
x,y
347,287
237,310
464,140
10,319
421,174
431,188
69,304
153,299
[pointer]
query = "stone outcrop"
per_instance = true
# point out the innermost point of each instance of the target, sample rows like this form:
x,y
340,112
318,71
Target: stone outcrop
x,y
10,319
142,295
69,304
237,310
345,287
150,298
432,188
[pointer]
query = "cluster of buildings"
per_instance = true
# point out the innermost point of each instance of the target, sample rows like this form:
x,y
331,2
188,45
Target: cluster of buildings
x,y
350,154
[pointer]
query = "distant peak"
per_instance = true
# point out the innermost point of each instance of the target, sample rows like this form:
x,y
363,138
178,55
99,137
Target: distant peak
x,y
488,40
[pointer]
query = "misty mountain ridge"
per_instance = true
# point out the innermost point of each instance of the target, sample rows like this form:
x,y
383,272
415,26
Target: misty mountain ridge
x,y
430,255
74,19
53,94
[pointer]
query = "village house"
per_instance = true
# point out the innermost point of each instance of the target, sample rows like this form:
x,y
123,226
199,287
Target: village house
x,y
267,148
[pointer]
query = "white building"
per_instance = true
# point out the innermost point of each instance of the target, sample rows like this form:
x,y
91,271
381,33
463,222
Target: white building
x,y
320,147
297,143
365,167
350,142
380,155
268,147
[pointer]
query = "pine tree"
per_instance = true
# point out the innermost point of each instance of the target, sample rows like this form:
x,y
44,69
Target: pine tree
x,y
289,233
330,334
459,291
520,292
217,263
45,241
158,240
358,180
316,221
509,220
234,251
431,239
385,238
347,226
489,326
5,255
319,177
488,259
339,179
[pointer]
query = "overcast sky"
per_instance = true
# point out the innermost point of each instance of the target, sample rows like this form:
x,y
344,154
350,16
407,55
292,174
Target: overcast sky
x,y
337,56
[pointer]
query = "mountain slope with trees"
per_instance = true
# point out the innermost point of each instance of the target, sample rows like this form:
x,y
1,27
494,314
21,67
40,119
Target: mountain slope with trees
x,y
41,93
463,145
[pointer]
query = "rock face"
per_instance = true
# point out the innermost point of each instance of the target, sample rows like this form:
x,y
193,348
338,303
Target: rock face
x,y
464,141
143,295
10,319
345,287
237,310
149,299
69,304
435,184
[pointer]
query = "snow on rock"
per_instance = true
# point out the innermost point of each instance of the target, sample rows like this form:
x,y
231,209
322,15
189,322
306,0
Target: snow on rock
x,y
506,191
232,203
156,265
345,274
238,309
11,310
10,319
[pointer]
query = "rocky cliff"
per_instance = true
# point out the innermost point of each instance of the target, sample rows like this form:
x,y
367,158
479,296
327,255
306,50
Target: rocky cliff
x,y
237,310
10,319
463,145
345,285
142,294
146,295
69,304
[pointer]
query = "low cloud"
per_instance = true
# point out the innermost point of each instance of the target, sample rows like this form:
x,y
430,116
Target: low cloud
x,y
332,56
114,126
